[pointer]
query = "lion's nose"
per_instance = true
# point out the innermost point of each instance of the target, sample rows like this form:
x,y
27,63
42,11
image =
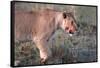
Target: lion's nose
x,y
71,32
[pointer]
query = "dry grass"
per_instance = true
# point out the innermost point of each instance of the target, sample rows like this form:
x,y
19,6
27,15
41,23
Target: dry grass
x,y
65,49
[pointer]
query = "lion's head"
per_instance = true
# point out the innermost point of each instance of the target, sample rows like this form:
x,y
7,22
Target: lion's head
x,y
68,23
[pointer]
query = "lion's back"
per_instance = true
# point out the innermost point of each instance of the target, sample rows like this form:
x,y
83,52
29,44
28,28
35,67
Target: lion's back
x,y
28,24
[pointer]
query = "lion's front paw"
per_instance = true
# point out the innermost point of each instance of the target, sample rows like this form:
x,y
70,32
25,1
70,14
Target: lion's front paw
x,y
43,61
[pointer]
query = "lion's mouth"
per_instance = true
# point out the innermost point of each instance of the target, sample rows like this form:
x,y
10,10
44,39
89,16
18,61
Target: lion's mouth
x,y
69,33
73,33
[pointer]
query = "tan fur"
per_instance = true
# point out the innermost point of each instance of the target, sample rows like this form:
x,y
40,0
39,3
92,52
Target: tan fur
x,y
39,26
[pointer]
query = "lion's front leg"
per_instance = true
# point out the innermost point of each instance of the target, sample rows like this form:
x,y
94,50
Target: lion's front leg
x,y
44,49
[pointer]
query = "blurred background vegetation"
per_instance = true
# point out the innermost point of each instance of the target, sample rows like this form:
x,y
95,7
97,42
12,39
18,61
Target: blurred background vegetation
x,y
65,49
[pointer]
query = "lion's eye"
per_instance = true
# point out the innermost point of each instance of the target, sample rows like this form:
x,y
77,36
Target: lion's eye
x,y
66,28
72,22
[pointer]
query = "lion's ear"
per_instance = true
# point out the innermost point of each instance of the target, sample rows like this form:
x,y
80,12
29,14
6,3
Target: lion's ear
x,y
64,15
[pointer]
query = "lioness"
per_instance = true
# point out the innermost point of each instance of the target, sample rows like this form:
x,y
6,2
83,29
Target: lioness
x,y
40,25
